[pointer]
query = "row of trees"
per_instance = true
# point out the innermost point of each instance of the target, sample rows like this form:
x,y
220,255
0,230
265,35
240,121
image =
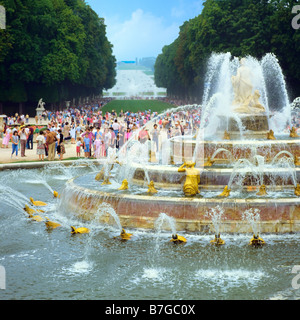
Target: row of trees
x,y
242,27
53,49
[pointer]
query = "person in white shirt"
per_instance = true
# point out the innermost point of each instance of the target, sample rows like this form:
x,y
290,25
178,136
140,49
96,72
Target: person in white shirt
x,y
116,127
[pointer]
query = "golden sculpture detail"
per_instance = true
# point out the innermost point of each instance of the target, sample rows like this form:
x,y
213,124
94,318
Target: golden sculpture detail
x,y
178,239
293,133
225,193
190,187
124,236
256,241
100,175
106,182
152,189
262,191
217,240
152,156
37,203
51,225
270,135
245,101
209,162
79,230
297,190
35,218
124,185
296,161
55,194
226,135
29,210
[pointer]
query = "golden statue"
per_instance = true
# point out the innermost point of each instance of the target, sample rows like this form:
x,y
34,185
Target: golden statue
x,y
297,190
124,185
152,156
270,135
178,239
51,224
190,187
100,175
256,241
106,181
262,191
217,240
225,193
293,133
151,187
296,161
124,236
226,135
209,162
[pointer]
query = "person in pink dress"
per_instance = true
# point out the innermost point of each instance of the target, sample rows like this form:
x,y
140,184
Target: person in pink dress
x,y
98,145
6,138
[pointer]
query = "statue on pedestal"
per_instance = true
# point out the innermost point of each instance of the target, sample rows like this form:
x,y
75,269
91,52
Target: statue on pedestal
x,y
245,101
41,104
190,187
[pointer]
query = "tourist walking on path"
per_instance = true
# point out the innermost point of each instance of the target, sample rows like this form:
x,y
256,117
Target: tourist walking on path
x,y
41,146
155,137
78,147
29,144
23,141
15,143
98,146
6,138
86,144
61,147
51,141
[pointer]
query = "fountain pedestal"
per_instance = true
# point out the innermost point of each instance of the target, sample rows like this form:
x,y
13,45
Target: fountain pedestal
x,y
253,126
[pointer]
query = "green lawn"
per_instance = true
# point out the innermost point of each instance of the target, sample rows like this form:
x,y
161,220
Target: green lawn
x,y
137,105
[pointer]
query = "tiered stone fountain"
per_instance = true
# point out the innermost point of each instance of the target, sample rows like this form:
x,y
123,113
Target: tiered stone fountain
x,y
240,159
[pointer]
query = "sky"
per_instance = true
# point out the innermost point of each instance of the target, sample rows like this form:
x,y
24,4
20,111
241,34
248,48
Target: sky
x,y
141,28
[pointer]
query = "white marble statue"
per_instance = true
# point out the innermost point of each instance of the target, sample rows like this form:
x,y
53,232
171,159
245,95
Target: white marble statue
x,y
245,101
41,104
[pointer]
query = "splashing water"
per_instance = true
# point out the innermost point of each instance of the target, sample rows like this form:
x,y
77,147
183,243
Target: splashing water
x,y
165,219
216,215
252,216
108,209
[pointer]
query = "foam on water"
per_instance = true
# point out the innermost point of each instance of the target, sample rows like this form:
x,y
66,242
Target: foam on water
x,y
230,277
79,268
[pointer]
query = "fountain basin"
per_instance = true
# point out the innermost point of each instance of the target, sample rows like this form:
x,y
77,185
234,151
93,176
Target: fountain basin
x,y
168,177
280,215
183,149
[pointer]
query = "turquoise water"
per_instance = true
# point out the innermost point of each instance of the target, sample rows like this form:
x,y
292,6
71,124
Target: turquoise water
x,y
42,264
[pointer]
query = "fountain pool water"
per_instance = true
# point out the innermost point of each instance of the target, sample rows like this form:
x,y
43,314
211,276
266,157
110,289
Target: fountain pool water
x,y
57,265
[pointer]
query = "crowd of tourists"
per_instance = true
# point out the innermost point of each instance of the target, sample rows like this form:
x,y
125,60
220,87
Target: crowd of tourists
x,y
93,132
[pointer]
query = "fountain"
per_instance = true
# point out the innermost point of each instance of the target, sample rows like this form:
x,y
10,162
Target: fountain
x,y
216,216
252,216
233,162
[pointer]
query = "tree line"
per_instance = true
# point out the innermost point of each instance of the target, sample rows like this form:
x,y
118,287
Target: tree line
x,y
242,27
53,49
